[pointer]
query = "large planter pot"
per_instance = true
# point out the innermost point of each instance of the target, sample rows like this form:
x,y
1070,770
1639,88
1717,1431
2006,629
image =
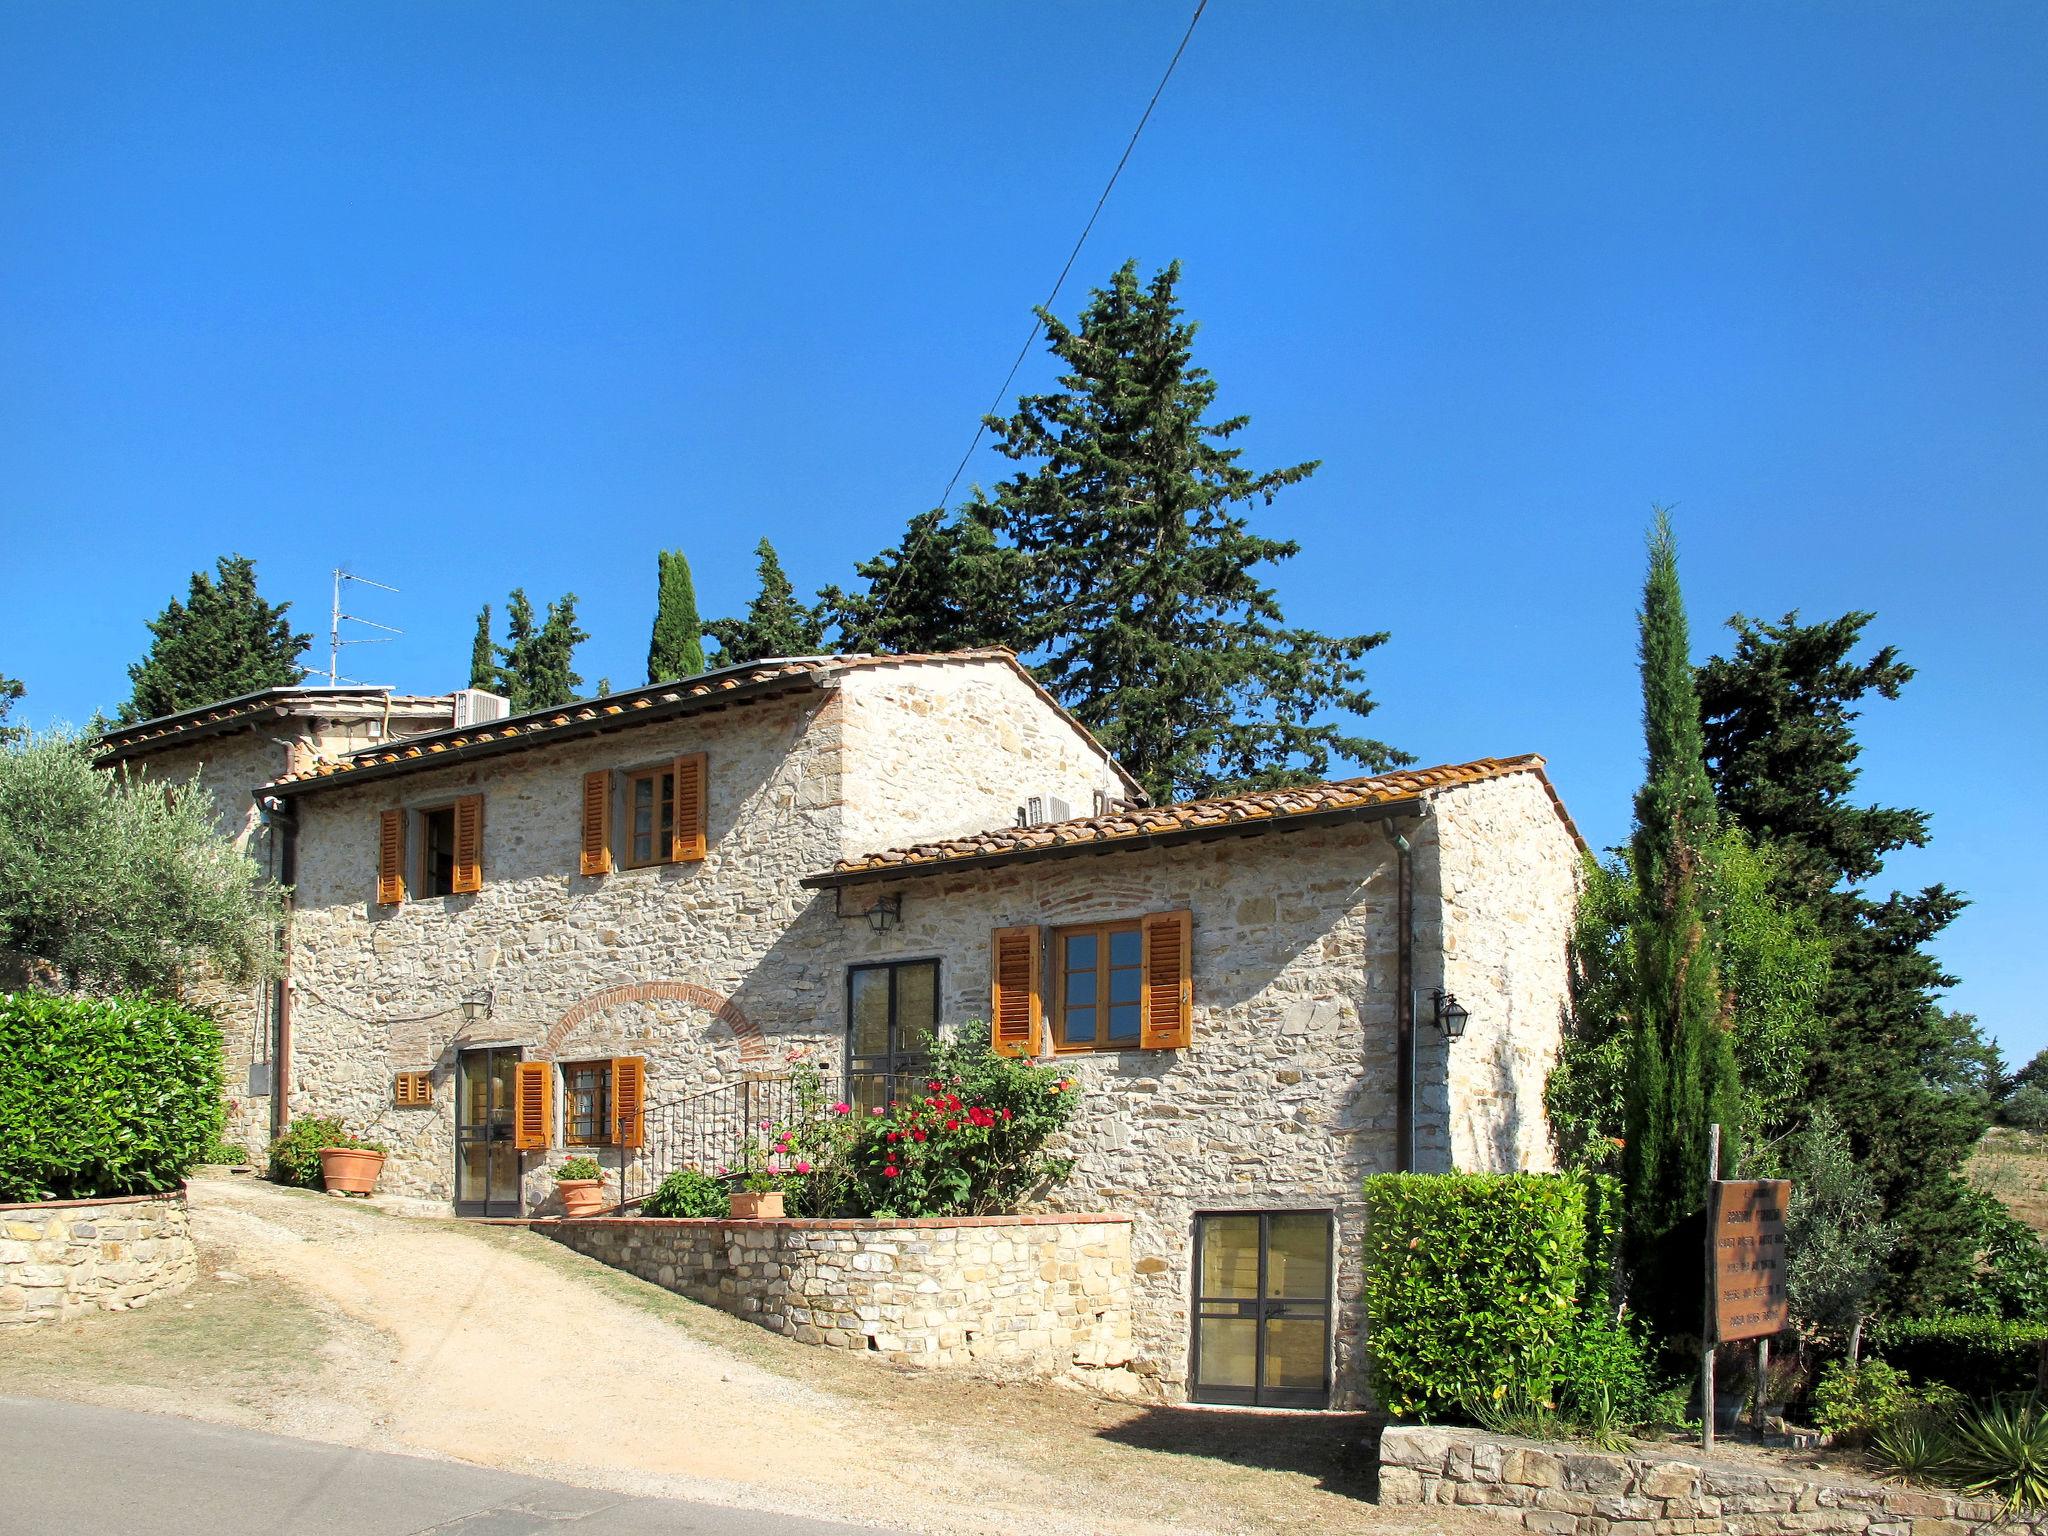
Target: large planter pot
x,y
350,1170
581,1197
750,1206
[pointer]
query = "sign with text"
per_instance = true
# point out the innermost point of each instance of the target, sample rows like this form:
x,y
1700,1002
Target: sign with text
x,y
1746,1226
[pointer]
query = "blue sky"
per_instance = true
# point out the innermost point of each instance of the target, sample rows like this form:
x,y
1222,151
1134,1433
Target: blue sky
x,y
470,296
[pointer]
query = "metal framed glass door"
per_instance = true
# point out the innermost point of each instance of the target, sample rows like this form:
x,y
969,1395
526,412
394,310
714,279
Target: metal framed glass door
x,y
890,1008
486,1163
1262,1309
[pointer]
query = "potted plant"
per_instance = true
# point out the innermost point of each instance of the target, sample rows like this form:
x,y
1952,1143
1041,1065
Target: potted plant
x,y
349,1165
581,1182
758,1196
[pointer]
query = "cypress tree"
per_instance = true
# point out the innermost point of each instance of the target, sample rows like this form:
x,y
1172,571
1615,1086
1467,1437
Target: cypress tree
x,y
1681,1068
947,586
676,648
1902,1075
1146,604
483,656
535,670
776,624
222,641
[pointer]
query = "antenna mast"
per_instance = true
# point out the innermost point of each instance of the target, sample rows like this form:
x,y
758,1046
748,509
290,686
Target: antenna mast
x,y
335,641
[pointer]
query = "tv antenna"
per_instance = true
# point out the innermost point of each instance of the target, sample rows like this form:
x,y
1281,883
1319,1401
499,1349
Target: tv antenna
x,y
335,639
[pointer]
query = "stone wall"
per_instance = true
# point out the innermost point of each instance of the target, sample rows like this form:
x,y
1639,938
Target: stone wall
x,y
60,1258
1037,1295
1573,1491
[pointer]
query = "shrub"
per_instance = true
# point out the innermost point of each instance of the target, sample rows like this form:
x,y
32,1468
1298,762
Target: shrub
x,y
98,1097
1854,1402
1474,1287
1604,1371
2027,1108
1920,1447
580,1168
1981,1355
686,1192
295,1156
2002,1452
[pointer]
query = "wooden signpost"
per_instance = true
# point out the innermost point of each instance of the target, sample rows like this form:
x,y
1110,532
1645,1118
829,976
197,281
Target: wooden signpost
x,y
1745,1275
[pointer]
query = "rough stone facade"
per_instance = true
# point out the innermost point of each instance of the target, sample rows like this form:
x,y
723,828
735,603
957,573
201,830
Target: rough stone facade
x,y
1558,1491
61,1258
1034,1295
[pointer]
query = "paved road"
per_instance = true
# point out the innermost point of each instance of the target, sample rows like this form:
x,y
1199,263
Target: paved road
x,y
71,1470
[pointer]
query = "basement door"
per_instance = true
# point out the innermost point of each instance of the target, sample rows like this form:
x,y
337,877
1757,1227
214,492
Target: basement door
x,y
1262,1309
486,1162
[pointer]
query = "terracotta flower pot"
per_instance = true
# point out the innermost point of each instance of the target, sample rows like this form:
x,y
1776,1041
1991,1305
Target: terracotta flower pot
x,y
581,1197
749,1205
350,1170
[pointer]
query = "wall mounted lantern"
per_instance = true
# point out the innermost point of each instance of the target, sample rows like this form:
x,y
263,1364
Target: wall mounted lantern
x,y
883,911
477,1005
1450,1014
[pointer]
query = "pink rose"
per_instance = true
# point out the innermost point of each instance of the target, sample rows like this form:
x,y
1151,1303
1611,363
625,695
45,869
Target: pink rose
x,y
803,1167
842,1109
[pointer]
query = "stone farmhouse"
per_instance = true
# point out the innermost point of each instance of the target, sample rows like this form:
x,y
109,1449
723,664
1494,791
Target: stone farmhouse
x,y
586,929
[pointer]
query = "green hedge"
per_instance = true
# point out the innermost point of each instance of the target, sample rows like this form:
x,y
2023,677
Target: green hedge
x,y
1978,1356
104,1097
1478,1286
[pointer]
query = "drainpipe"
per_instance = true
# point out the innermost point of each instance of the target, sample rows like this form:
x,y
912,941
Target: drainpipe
x,y
284,853
1404,1000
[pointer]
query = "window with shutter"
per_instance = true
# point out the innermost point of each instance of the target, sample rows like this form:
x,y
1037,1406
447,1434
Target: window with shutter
x,y
533,1103
597,823
468,873
1169,981
629,1099
1015,1007
391,858
1123,986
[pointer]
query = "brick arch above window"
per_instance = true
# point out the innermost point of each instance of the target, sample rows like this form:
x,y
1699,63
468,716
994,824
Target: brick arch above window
x,y
753,1045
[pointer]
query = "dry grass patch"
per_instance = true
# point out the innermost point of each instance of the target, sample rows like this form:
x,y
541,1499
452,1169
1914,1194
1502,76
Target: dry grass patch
x,y
2013,1165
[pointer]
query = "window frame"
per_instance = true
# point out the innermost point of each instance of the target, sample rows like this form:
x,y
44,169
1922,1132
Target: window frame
x,y
1101,931
894,1074
663,777
602,1067
424,818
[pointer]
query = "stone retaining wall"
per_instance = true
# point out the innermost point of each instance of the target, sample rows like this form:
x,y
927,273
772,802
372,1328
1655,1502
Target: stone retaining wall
x,y
1577,1491
1039,1295
59,1258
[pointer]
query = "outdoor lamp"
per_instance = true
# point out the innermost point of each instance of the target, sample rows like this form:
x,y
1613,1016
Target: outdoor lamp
x,y
883,911
476,1005
1450,1014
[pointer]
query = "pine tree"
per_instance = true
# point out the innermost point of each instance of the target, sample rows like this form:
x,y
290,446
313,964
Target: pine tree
x,y
222,641
947,586
1900,1073
676,648
483,656
1681,1070
1146,603
776,624
535,669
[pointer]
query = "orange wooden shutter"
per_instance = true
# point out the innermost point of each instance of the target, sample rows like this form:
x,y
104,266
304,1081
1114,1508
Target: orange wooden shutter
x,y
391,859
629,1099
1015,1007
1169,982
469,845
532,1106
597,823
688,844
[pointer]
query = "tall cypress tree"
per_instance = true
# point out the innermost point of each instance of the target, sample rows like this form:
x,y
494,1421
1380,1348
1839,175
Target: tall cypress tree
x,y
483,656
223,640
775,624
1147,607
1901,1074
1681,1069
676,648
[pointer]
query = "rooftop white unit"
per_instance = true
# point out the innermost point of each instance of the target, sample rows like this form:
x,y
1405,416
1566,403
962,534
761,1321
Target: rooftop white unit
x,y
474,706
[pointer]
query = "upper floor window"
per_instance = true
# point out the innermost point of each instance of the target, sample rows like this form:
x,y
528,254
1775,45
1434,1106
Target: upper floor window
x,y
450,848
437,851
650,817
1101,985
1114,986
661,813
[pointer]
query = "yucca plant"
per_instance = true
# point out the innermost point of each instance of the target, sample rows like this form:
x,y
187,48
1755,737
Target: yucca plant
x,y
2002,1452
1918,1447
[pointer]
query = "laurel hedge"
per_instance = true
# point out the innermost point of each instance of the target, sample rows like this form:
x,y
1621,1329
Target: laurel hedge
x,y
104,1096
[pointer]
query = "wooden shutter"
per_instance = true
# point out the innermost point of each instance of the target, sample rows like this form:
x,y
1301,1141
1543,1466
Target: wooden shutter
x,y
391,858
629,1099
1169,1013
1016,1007
533,1103
469,845
597,822
691,794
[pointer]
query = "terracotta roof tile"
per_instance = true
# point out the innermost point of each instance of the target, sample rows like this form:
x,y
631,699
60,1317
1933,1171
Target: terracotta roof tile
x,y
1136,824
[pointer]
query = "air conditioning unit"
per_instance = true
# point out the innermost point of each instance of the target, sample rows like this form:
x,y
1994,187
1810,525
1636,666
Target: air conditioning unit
x,y
473,706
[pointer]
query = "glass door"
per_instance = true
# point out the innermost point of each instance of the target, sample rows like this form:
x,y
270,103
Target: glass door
x,y
1262,1309
486,1163
890,1008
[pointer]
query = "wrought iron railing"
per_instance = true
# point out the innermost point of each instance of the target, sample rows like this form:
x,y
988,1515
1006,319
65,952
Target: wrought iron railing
x,y
708,1131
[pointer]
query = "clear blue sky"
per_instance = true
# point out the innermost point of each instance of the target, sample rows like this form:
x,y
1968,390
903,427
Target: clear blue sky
x,y
474,295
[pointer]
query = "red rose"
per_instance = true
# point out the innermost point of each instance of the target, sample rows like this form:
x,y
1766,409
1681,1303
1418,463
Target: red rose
x,y
890,1173
1007,1115
917,1135
952,1125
